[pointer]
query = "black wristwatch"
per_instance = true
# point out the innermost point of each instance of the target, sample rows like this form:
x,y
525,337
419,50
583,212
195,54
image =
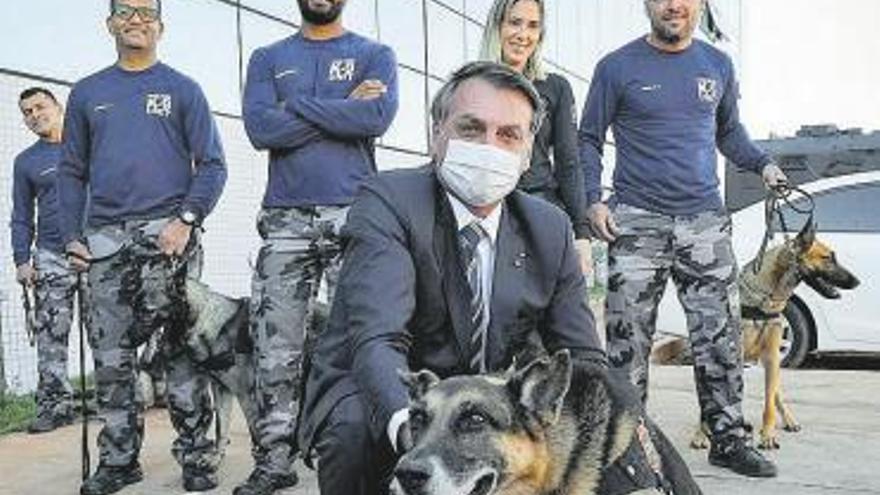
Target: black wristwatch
x,y
189,217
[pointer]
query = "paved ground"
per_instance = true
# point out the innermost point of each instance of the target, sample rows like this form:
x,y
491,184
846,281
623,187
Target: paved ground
x,y
837,453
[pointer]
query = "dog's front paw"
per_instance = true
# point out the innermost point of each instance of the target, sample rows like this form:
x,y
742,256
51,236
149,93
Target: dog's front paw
x,y
768,441
792,427
699,440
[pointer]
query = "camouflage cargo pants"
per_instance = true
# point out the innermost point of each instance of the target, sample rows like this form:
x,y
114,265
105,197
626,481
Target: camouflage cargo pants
x,y
54,295
300,247
696,250
129,288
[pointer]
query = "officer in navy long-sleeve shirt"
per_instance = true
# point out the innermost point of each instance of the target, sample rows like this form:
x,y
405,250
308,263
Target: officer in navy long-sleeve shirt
x,y
316,101
145,144
41,265
671,101
33,183
317,105
141,149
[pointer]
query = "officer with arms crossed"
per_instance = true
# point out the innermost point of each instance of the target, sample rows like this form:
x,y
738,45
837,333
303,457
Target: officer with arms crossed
x,y
316,101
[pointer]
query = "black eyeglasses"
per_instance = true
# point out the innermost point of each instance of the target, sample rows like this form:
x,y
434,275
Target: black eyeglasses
x,y
126,12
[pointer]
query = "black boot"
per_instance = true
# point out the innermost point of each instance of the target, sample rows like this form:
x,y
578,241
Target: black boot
x,y
111,479
198,479
263,483
46,422
741,458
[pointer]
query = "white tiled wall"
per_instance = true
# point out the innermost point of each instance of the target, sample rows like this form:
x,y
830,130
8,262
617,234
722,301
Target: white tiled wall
x,y
67,40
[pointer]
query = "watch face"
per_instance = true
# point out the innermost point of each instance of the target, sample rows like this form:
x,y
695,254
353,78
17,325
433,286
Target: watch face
x,y
188,217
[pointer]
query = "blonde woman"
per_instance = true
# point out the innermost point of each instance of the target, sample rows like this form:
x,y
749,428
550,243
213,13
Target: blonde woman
x,y
513,36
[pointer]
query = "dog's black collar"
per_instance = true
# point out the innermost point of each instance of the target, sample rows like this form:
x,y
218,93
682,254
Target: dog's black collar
x,y
753,313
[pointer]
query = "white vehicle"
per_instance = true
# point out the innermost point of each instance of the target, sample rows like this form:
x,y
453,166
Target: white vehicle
x,y
847,214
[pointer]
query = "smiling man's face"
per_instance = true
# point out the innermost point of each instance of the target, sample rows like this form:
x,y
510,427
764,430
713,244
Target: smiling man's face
x,y
136,24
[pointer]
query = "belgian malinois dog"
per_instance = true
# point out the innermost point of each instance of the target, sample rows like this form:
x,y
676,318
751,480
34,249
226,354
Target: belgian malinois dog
x,y
765,286
549,428
218,340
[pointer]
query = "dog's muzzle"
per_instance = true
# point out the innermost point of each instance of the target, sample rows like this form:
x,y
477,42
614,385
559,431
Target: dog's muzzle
x,y
429,478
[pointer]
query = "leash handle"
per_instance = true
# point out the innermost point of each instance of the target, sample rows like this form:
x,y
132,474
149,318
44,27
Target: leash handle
x,y
782,191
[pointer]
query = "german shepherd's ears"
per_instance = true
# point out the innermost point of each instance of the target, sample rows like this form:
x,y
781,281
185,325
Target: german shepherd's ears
x,y
419,383
541,386
806,236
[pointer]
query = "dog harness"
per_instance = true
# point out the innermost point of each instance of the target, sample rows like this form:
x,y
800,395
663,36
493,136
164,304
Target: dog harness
x,y
757,301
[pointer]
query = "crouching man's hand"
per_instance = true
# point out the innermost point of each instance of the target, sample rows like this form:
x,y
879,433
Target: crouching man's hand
x,y
399,432
404,439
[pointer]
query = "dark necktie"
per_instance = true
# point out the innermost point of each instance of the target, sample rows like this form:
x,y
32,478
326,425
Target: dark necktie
x,y
469,237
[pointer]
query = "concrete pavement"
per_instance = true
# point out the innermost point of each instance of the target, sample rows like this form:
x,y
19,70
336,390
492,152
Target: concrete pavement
x,y
837,453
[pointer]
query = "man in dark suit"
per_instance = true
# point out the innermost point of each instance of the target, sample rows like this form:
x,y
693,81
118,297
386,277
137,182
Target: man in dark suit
x,y
446,268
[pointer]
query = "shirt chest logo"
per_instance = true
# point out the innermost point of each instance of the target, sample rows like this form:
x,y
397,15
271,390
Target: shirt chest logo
x,y
159,104
707,89
286,73
341,69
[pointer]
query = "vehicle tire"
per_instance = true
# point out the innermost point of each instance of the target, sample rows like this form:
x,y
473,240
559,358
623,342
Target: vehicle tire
x,y
797,336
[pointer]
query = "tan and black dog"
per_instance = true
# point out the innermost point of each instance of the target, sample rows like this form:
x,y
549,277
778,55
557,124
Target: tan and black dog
x,y
765,286
549,428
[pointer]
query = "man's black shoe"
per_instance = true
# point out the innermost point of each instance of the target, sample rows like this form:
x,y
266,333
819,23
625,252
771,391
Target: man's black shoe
x,y
741,458
199,480
111,479
47,422
263,483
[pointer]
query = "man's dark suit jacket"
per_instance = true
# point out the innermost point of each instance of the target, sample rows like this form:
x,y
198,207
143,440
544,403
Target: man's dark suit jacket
x,y
400,303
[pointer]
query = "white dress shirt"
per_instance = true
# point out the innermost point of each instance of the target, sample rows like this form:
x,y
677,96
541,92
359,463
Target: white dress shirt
x,y
486,249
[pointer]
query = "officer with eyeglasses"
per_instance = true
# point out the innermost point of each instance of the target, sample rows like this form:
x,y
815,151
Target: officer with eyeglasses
x,y
142,152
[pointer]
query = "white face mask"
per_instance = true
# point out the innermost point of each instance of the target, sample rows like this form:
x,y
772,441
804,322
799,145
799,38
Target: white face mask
x,y
479,174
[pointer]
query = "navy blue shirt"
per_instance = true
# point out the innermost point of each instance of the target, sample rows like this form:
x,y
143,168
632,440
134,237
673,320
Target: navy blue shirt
x,y
668,112
33,178
144,143
296,106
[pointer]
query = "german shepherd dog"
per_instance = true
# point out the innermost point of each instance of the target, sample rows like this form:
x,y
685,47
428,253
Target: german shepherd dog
x,y
549,428
765,286
218,340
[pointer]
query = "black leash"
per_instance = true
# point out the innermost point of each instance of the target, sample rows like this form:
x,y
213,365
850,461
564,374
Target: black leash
x,y
29,317
782,192
81,304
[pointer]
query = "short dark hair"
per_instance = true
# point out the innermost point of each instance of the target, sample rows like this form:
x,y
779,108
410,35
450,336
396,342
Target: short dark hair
x,y
36,90
158,6
498,75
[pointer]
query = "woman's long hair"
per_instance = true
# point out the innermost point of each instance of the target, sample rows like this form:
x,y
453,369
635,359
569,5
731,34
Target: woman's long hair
x,y
490,47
